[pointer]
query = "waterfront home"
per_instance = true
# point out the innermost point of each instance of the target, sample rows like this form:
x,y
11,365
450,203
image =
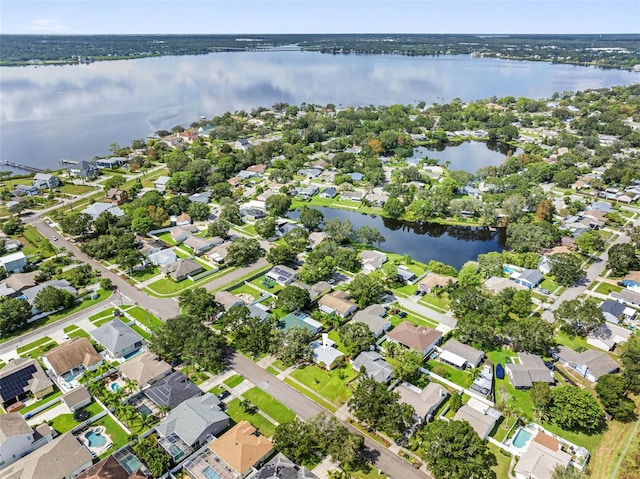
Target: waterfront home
x,y
352,195
113,162
434,280
329,193
84,169
372,260
45,181
529,278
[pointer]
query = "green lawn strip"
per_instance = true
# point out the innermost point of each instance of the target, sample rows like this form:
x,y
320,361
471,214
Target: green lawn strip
x,y
311,395
590,442
406,290
145,274
549,285
43,246
413,318
606,288
273,371
34,344
274,289
519,401
56,393
65,422
87,303
436,302
461,378
576,343
76,333
266,427
331,385
118,436
102,314
144,317
279,365
140,331
335,337
167,287
75,189
217,390
102,321
166,237
246,289
504,461
271,407
234,381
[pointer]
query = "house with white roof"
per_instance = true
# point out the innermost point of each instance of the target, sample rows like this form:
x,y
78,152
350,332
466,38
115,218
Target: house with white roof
x,y
14,262
161,183
163,257
607,336
282,274
97,209
325,353
461,355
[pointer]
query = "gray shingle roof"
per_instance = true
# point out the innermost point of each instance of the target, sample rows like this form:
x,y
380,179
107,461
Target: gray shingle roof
x,y
116,336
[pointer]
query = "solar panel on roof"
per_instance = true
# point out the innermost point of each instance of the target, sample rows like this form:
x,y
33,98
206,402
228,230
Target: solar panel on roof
x,y
14,385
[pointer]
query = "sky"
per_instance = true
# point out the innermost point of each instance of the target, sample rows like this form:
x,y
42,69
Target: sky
x,y
318,16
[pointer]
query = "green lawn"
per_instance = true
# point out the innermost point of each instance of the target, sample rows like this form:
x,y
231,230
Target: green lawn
x,y
578,438
549,285
87,303
168,287
331,385
413,318
145,274
460,377
606,288
274,289
504,461
102,314
270,406
311,395
74,331
140,331
234,381
266,427
576,343
519,401
43,246
166,237
118,436
34,344
217,390
65,422
71,189
246,289
144,317
438,303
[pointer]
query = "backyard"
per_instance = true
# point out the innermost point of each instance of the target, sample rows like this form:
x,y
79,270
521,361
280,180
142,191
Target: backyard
x,y
331,385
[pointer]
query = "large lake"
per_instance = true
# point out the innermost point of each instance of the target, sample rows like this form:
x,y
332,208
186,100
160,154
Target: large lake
x,y
454,245
77,111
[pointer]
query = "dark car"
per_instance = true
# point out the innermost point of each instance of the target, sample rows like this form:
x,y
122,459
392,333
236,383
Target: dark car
x,y
402,314
224,394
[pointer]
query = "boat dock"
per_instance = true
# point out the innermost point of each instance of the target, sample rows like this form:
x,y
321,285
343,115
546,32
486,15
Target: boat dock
x,y
23,167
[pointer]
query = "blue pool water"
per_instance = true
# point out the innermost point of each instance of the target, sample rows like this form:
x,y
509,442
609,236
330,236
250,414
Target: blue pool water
x,y
210,473
521,438
131,464
115,387
144,410
95,439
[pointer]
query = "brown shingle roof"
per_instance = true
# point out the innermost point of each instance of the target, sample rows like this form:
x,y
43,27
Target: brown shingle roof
x,y
416,337
431,280
240,447
337,302
547,441
71,354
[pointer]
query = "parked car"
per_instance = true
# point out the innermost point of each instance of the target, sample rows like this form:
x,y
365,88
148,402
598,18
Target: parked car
x,y
402,314
224,394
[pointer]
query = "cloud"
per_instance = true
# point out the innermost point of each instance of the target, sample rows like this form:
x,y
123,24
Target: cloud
x,y
46,25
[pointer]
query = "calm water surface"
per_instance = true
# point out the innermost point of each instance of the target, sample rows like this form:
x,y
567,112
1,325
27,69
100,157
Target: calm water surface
x,y
51,113
454,245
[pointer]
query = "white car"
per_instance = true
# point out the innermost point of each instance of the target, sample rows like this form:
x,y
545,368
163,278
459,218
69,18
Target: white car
x,y
54,238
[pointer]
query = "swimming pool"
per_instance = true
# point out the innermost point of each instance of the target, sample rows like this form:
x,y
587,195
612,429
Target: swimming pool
x,y
521,438
95,439
210,473
144,410
115,387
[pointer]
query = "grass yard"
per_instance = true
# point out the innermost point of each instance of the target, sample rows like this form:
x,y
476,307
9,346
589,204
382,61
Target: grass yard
x,y
270,406
144,317
87,303
56,393
413,318
246,289
167,287
435,302
103,314
274,289
74,331
266,427
145,274
118,436
34,344
233,381
606,288
519,401
576,343
141,331
549,285
43,246
217,390
71,189
166,237
461,378
504,461
65,422
331,385
311,395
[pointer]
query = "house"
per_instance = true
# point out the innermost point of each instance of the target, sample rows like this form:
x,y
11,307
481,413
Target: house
x,y
377,200
62,458
113,162
374,366
461,355
355,176
72,358
45,181
241,448
14,262
182,269
310,173
84,169
145,369
626,296
191,424
325,353
498,284
264,196
300,320
529,278
31,293
77,398
204,197
615,312
18,439
21,378
285,228
11,246
183,219
251,213
434,280
281,467
163,258
329,193
109,468
148,246
181,233
372,260
242,144
218,254
539,462
423,401
481,422
116,196
529,370
26,190
420,338
308,191
632,279
118,339
483,383
198,245
352,195
259,169
338,303
257,310
228,300
96,209
405,274
160,184
590,364
172,390
373,317
282,275
607,336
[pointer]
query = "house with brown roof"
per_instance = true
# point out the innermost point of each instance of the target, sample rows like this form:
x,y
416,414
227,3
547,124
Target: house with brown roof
x,y
420,338
145,369
77,398
260,169
116,196
183,219
434,280
228,300
72,358
242,447
22,377
338,303
109,468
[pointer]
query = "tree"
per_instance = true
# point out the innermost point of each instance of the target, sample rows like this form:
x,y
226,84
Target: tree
x,y
590,241
514,206
356,337
265,227
295,440
104,222
76,224
278,204
256,337
219,228
297,239
532,334
311,218
491,264
453,450
541,398
566,268
622,259
14,226
14,314
407,364
296,348
129,258
394,208
338,230
230,213
569,472
525,237
153,456
292,298
199,303
244,251
142,224
369,235
366,289
581,316
630,356
51,298
612,391
544,211
469,275
114,182
198,211
575,409
281,254
106,284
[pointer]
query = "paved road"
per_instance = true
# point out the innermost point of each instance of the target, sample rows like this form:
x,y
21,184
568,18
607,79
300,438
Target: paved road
x,y
236,274
162,308
410,305
304,407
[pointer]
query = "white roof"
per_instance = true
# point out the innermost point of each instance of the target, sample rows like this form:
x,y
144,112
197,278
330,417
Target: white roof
x,y
162,180
452,358
12,257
